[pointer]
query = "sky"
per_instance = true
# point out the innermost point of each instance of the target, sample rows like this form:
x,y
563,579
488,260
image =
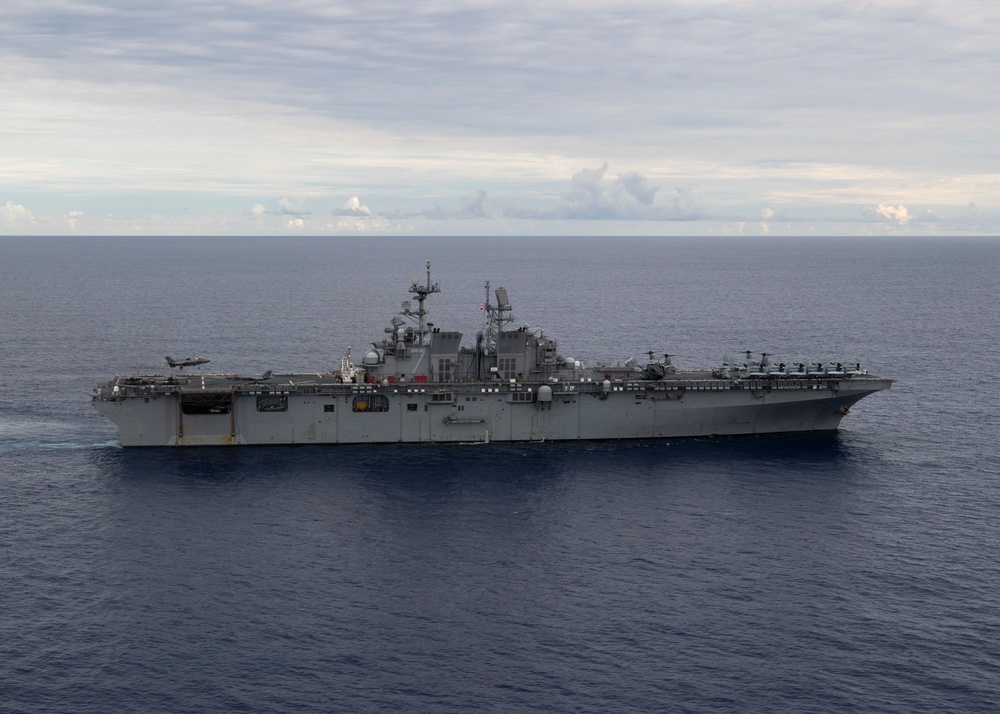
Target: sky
x,y
708,117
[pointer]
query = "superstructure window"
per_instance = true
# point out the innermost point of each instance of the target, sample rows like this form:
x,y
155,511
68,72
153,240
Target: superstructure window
x,y
370,403
272,403
328,407
443,397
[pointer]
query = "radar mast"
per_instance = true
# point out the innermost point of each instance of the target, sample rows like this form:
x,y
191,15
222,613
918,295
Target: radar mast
x,y
498,315
422,291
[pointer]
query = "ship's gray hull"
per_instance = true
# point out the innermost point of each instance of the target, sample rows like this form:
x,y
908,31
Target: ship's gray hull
x,y
418,384
477,412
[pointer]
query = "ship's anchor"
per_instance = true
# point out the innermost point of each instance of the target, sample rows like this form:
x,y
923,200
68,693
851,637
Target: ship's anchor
x,y
844,411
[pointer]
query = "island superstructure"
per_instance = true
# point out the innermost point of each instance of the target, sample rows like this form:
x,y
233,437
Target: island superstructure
x,y
420,384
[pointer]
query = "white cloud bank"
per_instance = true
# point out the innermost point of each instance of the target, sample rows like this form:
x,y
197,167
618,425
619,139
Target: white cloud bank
x,y
496,117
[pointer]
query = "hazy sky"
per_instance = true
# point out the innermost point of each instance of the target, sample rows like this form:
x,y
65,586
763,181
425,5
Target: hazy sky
x,y
584,117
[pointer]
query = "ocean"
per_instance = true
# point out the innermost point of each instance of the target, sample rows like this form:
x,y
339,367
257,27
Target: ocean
x,y
854,571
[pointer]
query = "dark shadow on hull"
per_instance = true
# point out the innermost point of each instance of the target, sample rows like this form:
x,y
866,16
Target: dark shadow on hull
x,y
510,462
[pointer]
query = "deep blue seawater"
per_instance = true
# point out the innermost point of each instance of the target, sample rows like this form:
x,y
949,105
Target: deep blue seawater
x,y
858,571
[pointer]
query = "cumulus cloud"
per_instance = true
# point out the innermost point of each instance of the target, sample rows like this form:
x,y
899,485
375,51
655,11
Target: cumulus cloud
x,y
72,217
292,208
898,213
586,196
766,214
352,207
13,213
474,206
630,196
257,210
685,204
638,187
295,223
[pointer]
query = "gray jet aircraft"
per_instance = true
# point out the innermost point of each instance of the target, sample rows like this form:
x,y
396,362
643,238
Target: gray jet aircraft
x,y
186,362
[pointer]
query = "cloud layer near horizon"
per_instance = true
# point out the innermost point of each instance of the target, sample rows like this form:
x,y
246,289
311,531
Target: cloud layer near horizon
x,y
499,116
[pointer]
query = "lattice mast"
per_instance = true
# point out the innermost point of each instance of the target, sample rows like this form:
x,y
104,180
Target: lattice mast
x,y
421,291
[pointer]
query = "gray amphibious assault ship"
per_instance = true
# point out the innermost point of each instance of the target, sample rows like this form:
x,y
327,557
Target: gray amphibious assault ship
x,y
419,384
